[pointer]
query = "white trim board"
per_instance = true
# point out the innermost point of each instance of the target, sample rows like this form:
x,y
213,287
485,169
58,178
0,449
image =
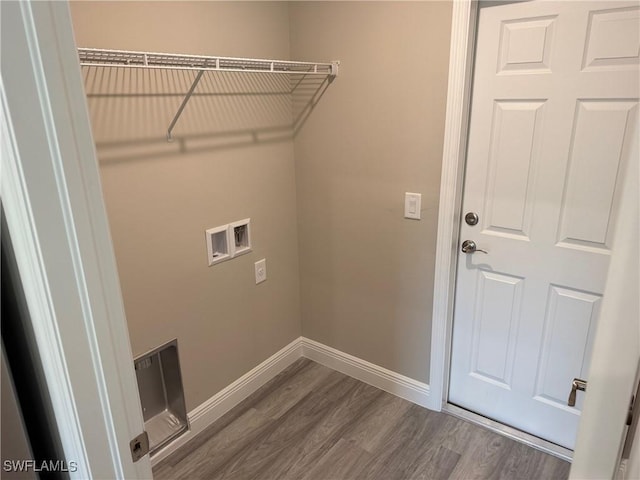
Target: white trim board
x,y
211,410
55,214
463,27
394,383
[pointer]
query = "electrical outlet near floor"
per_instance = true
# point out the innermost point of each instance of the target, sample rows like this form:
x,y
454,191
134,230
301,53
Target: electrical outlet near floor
x,y
261,270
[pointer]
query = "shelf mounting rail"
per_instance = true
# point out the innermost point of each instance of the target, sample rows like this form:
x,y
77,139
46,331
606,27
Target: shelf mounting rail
x,y
93,57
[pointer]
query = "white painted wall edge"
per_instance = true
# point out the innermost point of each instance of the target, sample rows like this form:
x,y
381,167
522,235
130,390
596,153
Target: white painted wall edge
x,y
211,410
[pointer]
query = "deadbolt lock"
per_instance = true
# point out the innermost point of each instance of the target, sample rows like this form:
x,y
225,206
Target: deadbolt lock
x,y
471,218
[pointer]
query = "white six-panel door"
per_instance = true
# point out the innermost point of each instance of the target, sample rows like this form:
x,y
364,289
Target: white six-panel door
x,y
554,108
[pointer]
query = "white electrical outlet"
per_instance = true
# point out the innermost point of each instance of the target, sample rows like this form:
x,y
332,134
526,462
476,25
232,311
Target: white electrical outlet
x,y
261,270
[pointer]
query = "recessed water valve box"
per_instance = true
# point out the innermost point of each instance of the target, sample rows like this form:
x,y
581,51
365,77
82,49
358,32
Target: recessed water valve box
x,y
240,233
161,395
218,244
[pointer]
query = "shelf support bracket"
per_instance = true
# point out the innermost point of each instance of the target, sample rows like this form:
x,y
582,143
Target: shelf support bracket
x,y
183,104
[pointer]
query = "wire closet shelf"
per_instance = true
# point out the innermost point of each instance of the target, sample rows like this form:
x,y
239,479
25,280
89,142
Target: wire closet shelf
x,y
94,57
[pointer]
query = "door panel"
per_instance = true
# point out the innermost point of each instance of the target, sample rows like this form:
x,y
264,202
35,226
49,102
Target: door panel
x,y
496,324
601,127
515,140
612,39
554,112
525,45
568,327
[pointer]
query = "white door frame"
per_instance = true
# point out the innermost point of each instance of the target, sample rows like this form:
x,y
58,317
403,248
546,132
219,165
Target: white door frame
x,y
463,39
52,199
594,454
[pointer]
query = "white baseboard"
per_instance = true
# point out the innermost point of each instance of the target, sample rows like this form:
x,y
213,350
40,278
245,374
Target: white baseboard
x,y
205,414
392,382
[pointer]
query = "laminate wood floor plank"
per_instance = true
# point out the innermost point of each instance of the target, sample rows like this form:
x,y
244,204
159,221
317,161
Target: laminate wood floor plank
x,y
345,412
374,427
457,434
285,434
398,455
525,462
270,392
485,458
437,464
437,454
272,399
438,457
344,461
312,423
278,397
236,437
187,458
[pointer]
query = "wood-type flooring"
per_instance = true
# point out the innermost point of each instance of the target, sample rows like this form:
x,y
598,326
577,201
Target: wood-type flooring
x,y
313,423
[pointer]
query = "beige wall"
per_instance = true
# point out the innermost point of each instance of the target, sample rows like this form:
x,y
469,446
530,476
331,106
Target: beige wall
x,y
363,280
161,197
366,272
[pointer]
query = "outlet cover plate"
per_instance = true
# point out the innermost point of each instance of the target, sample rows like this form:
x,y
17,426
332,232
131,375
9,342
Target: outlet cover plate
x,y
261,270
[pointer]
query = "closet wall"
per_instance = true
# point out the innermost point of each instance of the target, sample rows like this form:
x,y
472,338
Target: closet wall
x,y
361,280
161,197
366,272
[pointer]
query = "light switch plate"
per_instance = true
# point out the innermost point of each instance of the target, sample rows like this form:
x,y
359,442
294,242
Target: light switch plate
x,y
261,270
412,205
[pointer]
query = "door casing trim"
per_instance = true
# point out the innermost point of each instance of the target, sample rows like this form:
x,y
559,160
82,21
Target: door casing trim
x,y
54,211
463,40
